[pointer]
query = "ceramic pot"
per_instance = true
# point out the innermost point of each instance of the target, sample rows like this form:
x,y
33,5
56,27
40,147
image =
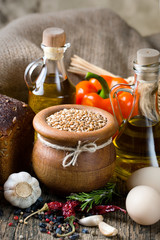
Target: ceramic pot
x,y
92,170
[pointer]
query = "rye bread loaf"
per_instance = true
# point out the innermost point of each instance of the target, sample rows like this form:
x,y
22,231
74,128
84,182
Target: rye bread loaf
x,y
16,136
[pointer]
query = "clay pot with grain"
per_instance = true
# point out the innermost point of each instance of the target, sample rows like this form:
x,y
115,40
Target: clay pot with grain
x,y
92,170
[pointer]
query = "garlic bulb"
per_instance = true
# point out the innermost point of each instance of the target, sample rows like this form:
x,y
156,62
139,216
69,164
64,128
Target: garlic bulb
x,y
21,189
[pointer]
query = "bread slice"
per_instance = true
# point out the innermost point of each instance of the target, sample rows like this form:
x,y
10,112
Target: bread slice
x,y
16,136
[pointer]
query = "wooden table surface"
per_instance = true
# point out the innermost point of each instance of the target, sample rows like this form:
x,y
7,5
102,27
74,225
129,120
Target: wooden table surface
x,y
127,229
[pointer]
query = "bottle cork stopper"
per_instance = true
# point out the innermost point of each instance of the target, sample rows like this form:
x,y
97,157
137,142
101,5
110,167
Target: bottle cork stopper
x,y
147,56
54,37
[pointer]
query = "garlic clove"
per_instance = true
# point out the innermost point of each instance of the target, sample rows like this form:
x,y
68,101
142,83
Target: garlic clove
x,y
21,176
12,179
107,230
10,185
91,221
15,201
34,182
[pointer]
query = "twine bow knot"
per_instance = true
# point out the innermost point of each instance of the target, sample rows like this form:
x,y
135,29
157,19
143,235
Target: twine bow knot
x,y
88,147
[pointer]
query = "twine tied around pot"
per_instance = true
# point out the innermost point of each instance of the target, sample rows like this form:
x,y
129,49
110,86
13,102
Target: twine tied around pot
x,y
75,152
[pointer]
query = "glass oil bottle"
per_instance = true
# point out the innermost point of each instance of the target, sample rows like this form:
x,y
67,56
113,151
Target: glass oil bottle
x,y
51,85
138,141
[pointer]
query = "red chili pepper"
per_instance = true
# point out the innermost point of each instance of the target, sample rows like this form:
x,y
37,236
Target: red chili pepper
x,y
102,209
55,206
69,208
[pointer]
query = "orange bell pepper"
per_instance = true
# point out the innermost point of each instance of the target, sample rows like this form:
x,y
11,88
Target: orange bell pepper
x,y
111,81
95,92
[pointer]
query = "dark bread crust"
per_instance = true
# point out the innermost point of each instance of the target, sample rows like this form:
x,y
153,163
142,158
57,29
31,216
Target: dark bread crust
x,y
16,136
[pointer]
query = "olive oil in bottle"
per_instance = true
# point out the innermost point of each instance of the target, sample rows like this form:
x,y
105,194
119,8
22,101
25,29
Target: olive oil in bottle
x,y
49,95
52,86
137,146
138,141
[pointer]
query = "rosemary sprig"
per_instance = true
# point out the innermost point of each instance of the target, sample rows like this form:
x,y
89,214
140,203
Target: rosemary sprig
x,y
95,197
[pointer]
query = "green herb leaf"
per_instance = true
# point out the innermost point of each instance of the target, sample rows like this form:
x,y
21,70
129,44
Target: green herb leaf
x,y
95,197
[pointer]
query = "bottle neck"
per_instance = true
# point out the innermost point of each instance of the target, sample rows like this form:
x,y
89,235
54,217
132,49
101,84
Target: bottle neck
x,y
147,73
53,59
55,67
146,82
54,53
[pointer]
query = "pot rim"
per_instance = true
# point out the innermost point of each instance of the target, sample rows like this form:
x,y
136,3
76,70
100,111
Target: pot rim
x,y
46,131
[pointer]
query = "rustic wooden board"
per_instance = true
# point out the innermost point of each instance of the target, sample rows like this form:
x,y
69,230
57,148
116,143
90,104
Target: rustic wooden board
x,y
128,230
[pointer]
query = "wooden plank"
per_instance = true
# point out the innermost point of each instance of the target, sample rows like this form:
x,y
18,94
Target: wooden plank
x,y
128,230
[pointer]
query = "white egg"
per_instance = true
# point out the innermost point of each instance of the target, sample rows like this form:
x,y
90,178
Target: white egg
x,y
143,205
149,176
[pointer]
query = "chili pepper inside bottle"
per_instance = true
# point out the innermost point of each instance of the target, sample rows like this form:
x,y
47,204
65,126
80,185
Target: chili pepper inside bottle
x,y
138,141
52,86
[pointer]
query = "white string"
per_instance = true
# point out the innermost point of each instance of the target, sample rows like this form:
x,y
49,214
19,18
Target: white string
x,y
75,152
54,53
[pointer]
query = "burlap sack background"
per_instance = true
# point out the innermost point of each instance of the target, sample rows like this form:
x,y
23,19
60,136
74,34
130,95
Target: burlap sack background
x,y
97,35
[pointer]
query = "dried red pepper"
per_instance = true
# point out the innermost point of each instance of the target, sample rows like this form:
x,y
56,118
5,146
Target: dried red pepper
x,y
52,206
71,206
102,209
68,208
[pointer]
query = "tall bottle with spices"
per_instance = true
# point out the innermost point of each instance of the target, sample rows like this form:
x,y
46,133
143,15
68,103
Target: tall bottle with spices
x,y
138,141
51,86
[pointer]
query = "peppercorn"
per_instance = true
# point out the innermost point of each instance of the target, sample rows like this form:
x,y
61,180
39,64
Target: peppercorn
x,y
58,230
25,215
55,227
51,222
63,229
40,217
47,227
43,225
43,230
84,230
74,236
50,228
47,220
10,224
17,211
28,210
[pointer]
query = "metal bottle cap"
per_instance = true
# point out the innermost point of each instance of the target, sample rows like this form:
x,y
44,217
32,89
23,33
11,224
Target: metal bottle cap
x,y
54,37
147,56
